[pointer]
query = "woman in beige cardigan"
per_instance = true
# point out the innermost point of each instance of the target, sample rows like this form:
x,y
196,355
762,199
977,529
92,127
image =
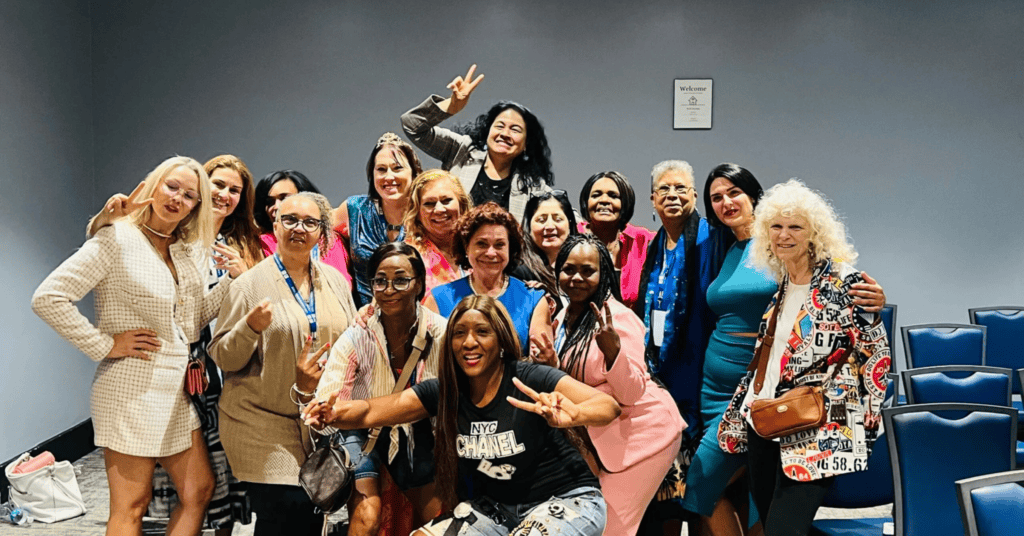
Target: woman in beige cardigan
x,y
276,314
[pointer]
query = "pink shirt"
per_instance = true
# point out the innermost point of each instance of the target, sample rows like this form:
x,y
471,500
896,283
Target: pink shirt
x,y
650,421
336,257
632,253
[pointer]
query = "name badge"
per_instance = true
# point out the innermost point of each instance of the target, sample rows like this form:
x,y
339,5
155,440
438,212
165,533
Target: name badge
x,y
658,326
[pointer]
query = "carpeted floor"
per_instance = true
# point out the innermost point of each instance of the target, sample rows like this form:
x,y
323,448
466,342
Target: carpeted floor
x,y
93,483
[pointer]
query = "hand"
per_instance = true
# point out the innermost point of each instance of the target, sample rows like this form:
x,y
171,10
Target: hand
x,y
871,421
309,368
868,295
462,88
316,414
559,411
259,317
134,343
119,206
606,336
363,315
228,258
542,349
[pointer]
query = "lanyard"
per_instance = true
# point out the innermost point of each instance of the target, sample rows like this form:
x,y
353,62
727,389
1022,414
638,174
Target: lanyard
x,y
307,307
560,337
663,274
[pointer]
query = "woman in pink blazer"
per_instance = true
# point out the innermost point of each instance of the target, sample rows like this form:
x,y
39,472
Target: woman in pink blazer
x,y
601,343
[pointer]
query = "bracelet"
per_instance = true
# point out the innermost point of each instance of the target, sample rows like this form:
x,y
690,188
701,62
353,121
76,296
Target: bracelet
x,y
296,391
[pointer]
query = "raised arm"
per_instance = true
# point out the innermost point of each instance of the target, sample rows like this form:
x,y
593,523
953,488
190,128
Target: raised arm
x,y
118,206
627,371
238,330
421,123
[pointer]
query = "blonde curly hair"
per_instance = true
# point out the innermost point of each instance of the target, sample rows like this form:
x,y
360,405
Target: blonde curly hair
x,y
793,199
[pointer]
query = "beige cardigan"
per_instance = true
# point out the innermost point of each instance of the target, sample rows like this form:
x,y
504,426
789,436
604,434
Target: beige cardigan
x,y
263,437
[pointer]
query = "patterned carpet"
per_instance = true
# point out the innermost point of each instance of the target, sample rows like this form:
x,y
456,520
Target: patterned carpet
x,y
93,483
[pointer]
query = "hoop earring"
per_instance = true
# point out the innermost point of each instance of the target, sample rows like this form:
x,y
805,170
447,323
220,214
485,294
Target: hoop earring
x,y
501,355
810,251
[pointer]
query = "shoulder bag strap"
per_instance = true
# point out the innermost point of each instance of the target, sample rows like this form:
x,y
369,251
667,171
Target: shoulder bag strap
x,y
424,339
760,361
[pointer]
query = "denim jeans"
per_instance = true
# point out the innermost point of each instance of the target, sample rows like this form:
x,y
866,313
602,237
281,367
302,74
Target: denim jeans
x,y
580,512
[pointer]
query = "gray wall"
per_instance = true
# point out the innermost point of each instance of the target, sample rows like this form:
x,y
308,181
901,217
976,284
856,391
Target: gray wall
x,y
47,191
908,115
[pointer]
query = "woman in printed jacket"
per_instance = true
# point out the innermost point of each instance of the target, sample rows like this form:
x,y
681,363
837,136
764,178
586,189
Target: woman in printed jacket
x,y
798,237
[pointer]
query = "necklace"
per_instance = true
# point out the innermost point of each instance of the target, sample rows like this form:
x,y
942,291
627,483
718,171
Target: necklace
x,y
150,229
472,286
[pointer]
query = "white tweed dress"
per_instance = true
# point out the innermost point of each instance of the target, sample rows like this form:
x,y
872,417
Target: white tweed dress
x,y
138,406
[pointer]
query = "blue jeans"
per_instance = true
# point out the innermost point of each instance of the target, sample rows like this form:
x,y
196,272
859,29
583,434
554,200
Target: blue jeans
x,y
580,512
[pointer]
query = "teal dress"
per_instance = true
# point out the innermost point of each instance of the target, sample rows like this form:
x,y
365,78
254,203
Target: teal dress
x,y
739,297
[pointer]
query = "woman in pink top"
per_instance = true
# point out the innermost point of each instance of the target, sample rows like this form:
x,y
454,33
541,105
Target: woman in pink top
x,y
270,192
601,343
606,203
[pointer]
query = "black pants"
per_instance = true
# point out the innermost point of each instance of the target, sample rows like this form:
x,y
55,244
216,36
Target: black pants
x,y
786,507
283,510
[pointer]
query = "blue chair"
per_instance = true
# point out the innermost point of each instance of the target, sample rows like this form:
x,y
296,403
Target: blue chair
x,y
923,441
929,345
992,505
888,313
1004,337
966,384
1004,342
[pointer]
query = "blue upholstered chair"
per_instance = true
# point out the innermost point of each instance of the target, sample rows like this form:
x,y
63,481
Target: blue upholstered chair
x,y
934,445
966,384
929,345
1004,342
992,505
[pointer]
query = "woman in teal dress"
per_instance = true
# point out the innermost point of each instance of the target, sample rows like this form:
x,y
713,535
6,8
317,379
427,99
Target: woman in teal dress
x,y
737,297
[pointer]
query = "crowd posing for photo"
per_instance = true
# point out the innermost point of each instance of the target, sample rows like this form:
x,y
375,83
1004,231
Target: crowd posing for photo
x,y
524,364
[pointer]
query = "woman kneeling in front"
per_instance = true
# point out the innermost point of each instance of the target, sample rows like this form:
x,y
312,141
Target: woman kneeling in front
x,y
496,437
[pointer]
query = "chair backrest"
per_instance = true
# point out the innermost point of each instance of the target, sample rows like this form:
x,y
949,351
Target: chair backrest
x,y
924,439
967,384
873,486
1004,336
888,313
992,505
929,345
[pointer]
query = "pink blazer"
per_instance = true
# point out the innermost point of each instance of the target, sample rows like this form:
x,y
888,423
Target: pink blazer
x,y
632,254
650,420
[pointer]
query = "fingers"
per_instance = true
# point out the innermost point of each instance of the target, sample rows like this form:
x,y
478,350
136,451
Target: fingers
x,y
597,313
318,356
868,279
132,207
469,73
136,192
526,389
607,314
307,345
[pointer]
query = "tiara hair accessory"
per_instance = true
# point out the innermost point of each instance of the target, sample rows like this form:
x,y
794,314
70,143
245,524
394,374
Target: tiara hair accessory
x,y
389,138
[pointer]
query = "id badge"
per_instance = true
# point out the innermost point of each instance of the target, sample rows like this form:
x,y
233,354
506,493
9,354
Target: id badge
x,y
658,326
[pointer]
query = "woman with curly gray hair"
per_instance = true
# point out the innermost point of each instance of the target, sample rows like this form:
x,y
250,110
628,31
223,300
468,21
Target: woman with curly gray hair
x,y
273,328
812,336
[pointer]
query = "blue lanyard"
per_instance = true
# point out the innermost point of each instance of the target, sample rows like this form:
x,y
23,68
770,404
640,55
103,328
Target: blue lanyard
x,y
560,337
307,307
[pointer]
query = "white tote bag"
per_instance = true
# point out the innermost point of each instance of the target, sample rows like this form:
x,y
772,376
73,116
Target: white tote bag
x,y
49,493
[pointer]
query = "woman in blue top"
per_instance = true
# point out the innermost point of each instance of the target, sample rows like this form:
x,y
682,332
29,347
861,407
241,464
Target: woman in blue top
x,y
488,240
497,448
365,222
738,298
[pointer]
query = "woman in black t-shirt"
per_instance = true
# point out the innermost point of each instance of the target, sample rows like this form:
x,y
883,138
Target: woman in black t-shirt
x,y
497,449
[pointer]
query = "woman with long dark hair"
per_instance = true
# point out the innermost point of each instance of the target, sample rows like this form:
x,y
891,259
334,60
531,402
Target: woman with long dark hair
x,y
502,156
498,450
547,221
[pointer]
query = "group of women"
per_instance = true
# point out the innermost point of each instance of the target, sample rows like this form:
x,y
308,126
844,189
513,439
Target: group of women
x,y
591,376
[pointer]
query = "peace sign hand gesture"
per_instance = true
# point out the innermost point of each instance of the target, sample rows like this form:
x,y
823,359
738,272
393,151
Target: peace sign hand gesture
x,y
229,259
309,367
542,348
462,88
606,336
559,411
119,206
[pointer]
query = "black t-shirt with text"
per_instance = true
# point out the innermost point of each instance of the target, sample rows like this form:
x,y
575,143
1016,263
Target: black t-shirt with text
x,y
513,456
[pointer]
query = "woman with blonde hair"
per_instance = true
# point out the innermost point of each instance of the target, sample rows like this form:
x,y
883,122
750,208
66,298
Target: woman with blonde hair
x,y
147,273
813,335
436,202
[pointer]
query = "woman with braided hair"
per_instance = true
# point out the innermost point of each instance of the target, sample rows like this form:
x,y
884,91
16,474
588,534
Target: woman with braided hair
x,y
600,342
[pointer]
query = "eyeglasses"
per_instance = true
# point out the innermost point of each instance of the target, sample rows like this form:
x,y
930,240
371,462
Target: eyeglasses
x,y
290,222
679,189
400,284
172,188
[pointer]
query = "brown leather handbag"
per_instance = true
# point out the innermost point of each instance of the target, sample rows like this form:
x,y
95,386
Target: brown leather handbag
x,y
798,409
